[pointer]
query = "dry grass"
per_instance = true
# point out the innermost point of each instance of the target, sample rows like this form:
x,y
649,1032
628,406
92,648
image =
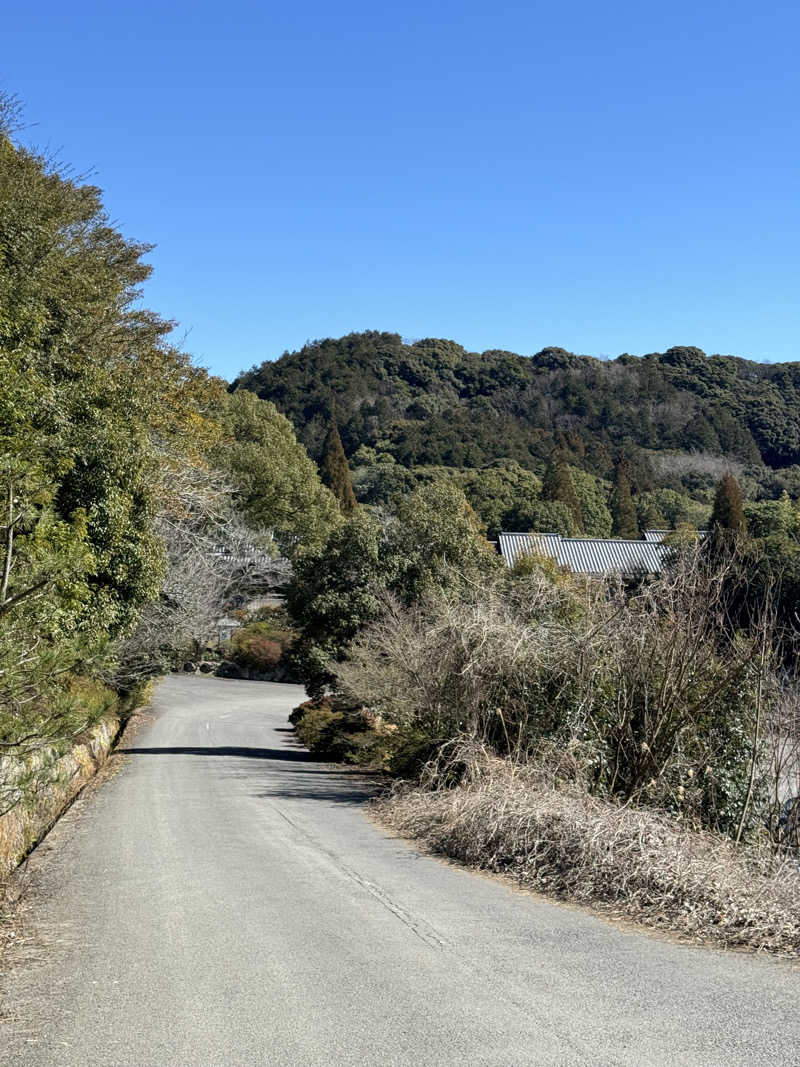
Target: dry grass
x,y
671,696
551,835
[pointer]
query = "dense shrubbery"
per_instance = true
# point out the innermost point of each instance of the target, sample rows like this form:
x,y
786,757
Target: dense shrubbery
x,y
255,647
337,729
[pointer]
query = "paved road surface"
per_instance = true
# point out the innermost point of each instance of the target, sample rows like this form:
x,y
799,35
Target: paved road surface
x,y
225,901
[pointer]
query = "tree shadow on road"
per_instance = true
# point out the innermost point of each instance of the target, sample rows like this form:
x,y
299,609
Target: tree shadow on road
x,y
289,754
308,779
333,786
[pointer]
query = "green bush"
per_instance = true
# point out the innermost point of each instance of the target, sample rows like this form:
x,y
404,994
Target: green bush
x,y
317,729
342,731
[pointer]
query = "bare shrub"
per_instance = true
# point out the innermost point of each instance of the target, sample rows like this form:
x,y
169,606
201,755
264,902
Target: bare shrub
x,y
211,553
653,683
781,767
537,823
458,663
705,465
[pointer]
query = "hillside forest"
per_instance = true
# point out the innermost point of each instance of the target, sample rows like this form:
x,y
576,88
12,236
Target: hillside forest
x,y
668,424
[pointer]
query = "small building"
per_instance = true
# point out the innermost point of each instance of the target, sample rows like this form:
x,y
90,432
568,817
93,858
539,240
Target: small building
x,y
588,555
226,627
656,536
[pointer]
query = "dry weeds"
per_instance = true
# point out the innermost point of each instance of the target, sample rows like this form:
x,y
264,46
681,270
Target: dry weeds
x,y
552,835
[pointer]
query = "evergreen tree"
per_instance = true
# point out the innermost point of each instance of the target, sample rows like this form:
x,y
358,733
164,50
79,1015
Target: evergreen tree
x,y
650,515
335,470
277,485
557,485
623,510
728,514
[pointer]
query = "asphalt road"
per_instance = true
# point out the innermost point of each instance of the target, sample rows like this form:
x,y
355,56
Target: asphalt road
x,y
223,900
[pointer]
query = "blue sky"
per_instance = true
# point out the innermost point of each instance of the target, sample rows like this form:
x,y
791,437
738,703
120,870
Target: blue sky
x,y
605,177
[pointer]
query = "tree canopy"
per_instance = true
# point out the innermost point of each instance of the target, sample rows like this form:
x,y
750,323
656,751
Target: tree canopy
x,y
276,484
123,467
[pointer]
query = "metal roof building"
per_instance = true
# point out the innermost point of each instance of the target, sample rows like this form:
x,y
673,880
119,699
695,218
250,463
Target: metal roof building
x,y
586,555
656,536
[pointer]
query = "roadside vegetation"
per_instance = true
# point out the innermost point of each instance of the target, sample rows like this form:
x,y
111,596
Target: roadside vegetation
x,y
137,495
537,824
632,744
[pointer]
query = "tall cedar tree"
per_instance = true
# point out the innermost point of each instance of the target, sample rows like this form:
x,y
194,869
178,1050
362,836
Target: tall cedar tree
x,y
335,470
623,510
728,513
557,485
653,517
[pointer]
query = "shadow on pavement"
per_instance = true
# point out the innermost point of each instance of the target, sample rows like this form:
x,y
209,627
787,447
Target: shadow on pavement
x,y
292,755
308,779
323,783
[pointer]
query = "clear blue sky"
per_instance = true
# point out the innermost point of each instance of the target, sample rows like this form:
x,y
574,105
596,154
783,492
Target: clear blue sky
x,y
607,177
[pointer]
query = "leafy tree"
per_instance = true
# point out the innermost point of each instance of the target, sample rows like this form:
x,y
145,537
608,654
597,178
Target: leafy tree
x,y
433,540
435,537
93,400
335,591
766,518
649,514
623,511
671,508
592,497
336,470
727,514
377,478
76,363
499,493
276,485
89,389
543,516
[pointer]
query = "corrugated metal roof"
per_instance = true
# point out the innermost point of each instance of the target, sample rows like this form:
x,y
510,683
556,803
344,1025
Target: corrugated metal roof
x,y
586,555
658,535
515,545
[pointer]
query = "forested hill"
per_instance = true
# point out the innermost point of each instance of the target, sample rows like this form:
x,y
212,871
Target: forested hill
x,y
434,403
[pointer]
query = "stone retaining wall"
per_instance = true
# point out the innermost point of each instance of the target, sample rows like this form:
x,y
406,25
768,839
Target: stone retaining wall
x,y
58,782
